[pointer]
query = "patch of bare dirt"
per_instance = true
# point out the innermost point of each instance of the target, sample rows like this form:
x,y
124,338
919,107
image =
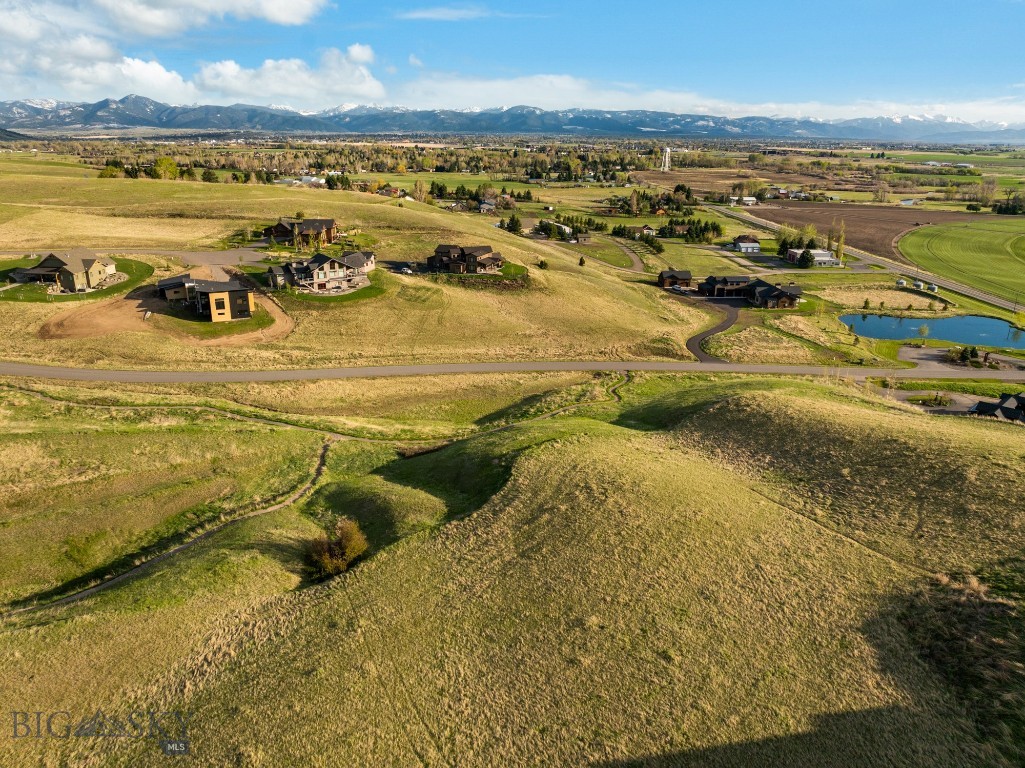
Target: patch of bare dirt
x,y
127,314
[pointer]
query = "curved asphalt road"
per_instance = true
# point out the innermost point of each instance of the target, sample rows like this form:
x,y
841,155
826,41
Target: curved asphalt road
x,y
438,369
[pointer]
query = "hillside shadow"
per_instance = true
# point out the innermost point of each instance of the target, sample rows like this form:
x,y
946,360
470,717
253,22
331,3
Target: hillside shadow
x,y
904,735
463,477
844,740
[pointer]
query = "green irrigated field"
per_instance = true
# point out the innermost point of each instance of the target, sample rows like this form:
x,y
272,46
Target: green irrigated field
x,y
657,580
989,255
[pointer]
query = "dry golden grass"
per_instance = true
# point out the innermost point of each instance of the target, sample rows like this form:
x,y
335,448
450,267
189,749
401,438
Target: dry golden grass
x,y
760,345
595,611
813,329
685,597
854,297
68,229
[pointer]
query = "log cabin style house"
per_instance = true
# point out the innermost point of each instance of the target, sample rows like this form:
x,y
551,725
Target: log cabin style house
x,y
670,277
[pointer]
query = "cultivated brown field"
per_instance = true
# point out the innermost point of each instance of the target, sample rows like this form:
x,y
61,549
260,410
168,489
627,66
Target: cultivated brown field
x,y
875,228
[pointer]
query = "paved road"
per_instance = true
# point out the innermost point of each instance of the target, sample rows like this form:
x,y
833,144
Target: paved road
x,y
367,372
731,309
888,264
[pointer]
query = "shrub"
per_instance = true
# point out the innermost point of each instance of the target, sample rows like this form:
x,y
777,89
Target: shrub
x,y
542,264
334,555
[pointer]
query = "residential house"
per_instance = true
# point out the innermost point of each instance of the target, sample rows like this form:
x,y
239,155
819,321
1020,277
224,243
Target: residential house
x,y
775,296
323,272
223,301
584,238
566,231
822,257
757,291
638,232
747,244
306,231
1010,408
479,259
77,270
216,301
667,278
749,201
488,206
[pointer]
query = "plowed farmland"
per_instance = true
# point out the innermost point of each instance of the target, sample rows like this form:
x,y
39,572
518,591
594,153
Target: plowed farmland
x,y
873,228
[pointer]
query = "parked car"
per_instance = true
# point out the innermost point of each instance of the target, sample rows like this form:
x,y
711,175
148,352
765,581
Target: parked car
x,y
678,289
406,271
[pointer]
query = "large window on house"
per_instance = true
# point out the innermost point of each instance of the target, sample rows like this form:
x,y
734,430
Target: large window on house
x,y
219,305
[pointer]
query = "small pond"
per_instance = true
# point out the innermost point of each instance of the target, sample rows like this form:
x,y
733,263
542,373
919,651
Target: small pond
x,y
971,330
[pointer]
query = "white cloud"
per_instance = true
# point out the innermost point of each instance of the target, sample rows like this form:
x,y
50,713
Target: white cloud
x,y
360,54
446,13
164,17
414,61
338,77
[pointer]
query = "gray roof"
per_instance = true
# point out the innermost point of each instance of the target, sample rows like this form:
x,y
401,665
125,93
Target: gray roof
x,y
680,274
1010,408
174,282
211,286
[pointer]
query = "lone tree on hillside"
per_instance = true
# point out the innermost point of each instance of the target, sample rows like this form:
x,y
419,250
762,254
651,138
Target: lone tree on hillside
x,y
514,225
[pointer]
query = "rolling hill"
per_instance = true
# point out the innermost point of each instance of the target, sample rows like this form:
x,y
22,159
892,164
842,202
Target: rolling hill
x,y
614,587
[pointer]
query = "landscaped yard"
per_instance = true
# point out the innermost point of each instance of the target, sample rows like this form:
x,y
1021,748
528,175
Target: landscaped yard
x,y
138,272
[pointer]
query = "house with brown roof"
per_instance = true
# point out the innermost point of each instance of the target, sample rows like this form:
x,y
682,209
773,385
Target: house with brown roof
x,y
478,259
668,278
75,271
303,231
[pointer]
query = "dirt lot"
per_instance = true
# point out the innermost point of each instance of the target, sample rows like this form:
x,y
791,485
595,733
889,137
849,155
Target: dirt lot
x,y
874,228
127,313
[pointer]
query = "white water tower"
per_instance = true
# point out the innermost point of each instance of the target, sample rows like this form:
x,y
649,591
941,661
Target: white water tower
x,y
667,160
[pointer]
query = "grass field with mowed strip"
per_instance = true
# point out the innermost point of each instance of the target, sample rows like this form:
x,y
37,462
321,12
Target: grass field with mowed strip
x,y
989,255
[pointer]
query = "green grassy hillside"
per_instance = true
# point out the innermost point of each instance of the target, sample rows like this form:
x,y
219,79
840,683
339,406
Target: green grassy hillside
x,y
652,581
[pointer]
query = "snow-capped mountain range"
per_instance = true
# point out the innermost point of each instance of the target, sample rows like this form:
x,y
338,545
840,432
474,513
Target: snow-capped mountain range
x,y
50,115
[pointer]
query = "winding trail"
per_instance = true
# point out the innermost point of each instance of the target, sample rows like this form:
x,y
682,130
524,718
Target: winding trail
x,y
330,439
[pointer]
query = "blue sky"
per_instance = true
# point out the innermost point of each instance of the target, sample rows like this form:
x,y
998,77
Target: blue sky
x,y
789,57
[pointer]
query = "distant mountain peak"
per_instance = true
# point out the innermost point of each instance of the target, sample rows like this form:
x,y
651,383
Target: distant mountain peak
x,y
134,111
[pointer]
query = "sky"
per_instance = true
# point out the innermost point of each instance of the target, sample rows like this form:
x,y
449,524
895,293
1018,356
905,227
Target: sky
x,y
797,58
